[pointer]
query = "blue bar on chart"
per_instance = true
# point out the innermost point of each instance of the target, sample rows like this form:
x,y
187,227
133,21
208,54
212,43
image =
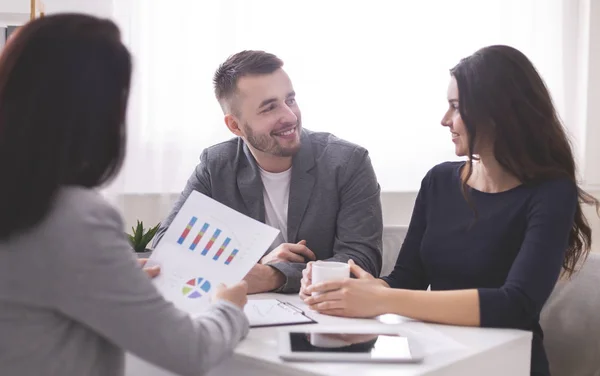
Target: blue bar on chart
x,y
231,256
211,242
187,230
199,237
221,249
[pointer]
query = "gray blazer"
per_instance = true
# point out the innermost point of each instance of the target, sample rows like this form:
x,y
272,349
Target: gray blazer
x,y
73,299
334,199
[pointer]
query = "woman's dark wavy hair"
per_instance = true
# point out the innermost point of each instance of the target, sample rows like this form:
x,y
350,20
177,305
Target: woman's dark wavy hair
x,y
64,84
503,98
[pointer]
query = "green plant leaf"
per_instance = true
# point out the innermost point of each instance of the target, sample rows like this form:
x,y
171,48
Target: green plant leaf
x,y
140,237
139,232
149,235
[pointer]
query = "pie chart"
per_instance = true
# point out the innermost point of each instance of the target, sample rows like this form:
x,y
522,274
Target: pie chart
x,y
195,288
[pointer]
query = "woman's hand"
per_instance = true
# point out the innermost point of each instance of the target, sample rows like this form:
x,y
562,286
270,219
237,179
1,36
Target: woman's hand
x,y
152,271
360,297
236,294
306,281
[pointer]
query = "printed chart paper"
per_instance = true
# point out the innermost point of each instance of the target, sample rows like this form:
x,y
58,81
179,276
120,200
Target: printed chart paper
x,y
207,244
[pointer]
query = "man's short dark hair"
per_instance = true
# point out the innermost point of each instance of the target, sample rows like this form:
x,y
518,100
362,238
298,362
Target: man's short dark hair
x,y
244,63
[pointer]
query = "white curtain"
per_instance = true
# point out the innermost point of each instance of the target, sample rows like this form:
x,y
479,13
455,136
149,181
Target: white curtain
x,y
374,72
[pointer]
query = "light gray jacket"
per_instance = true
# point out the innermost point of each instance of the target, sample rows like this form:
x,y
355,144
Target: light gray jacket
x,y
72,299
334,199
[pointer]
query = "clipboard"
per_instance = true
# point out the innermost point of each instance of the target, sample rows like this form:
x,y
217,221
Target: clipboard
x,y
274,312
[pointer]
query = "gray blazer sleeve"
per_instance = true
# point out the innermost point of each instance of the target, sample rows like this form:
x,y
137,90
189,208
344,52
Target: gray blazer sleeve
x,y
359,228
99,284
198,181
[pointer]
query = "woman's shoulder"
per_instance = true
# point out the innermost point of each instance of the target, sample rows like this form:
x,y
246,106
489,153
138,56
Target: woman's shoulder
x,y
443,173
78,208
78,201
77,226
447,168
555,191
557,186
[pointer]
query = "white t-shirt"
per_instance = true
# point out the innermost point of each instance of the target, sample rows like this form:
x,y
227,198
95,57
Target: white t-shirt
x,y
276,194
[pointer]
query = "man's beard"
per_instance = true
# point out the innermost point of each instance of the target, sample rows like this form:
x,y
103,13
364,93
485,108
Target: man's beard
x,y
268,144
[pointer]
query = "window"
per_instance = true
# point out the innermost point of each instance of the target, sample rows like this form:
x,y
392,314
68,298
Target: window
x,y
373,72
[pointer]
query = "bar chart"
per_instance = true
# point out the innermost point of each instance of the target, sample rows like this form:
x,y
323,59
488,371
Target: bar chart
x,y
208,244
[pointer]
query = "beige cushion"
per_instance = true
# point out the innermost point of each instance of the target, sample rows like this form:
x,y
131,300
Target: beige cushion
x,y
393,237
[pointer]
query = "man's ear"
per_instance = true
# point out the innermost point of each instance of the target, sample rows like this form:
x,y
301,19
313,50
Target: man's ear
x,y
233,124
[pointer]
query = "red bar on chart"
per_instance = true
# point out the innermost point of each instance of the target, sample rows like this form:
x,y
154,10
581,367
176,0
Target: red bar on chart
x,y
221,249
231,256
211,242
199,237
187,230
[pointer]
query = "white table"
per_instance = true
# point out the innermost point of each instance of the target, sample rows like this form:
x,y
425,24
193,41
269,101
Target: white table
x,y
449,350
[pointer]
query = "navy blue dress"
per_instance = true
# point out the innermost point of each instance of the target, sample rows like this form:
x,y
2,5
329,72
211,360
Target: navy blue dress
x,y
511,253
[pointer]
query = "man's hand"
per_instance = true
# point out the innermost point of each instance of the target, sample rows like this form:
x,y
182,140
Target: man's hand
x,y
263,278
289,252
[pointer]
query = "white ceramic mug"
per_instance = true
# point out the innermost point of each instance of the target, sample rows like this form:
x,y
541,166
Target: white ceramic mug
x,y
326,340
325,271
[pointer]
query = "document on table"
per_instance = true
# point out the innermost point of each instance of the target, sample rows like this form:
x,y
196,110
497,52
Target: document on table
x,y
273,312
207,244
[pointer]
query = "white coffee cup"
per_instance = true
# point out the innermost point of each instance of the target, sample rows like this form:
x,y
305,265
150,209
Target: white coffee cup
x,y
325,271
326,340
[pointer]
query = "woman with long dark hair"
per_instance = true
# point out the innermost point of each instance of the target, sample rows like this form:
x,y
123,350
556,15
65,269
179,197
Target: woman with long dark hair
x,y
489,236
72,297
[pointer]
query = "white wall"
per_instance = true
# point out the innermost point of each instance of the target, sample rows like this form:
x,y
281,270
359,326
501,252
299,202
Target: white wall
x,y
397,206
15,6
100,8
592,94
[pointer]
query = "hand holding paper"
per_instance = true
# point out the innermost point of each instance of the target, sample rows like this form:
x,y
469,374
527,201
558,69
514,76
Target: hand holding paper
x,y
207,244
236,294
152,271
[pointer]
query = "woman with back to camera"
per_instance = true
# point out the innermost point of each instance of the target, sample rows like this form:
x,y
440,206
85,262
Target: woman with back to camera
x,y
492,234
72,298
